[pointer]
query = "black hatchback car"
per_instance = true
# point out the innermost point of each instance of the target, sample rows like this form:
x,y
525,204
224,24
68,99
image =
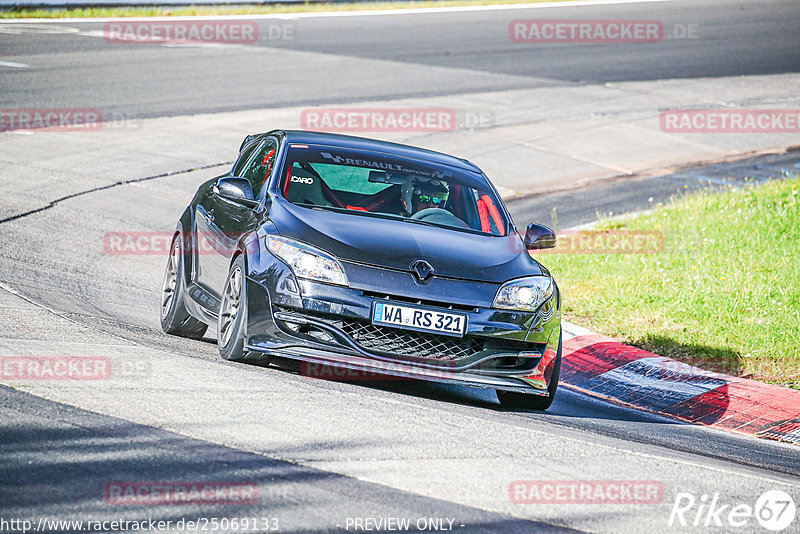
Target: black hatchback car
x,y
365,255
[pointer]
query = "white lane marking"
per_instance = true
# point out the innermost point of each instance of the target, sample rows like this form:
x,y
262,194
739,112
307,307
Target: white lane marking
x,y
324,14
20,26
14,65
93,33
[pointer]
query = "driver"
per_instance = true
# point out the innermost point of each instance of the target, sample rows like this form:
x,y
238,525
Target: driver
x,y
421,193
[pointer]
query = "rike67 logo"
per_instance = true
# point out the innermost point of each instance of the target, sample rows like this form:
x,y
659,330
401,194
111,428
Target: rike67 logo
x,y
775,510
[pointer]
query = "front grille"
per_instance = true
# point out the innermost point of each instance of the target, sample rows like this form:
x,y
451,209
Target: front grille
x,y
412,345
387,340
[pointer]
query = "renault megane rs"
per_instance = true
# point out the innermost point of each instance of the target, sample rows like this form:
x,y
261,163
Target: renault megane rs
x,y
362,254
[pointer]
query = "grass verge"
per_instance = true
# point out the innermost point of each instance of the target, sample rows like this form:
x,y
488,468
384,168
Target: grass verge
x,y
186,11
723,293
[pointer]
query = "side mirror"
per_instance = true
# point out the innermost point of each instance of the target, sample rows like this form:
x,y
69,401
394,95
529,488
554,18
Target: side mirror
x,y
539,236
236,190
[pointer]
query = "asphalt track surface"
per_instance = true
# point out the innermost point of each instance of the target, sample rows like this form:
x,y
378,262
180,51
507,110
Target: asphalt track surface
x,y
358,58
324,451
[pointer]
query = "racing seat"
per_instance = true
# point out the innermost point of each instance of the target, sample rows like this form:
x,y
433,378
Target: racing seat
x,y
305,188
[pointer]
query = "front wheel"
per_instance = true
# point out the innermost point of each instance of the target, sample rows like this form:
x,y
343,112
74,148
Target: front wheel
x,y
524,401
233,313
174,317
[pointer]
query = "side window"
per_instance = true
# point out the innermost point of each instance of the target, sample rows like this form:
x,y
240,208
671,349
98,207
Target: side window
x,y
259,165
490,218
243,159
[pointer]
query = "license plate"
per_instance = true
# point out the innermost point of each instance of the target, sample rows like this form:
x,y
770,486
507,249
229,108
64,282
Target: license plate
x,y
420,319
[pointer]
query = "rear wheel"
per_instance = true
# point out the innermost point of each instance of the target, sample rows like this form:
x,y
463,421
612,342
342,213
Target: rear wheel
x,y
174,317
232,314
525,401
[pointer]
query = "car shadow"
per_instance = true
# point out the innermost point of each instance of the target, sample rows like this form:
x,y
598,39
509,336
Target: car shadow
x,y
568,403
453,394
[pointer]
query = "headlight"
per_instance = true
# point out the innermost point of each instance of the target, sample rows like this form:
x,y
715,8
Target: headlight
x,y
307,261
525,293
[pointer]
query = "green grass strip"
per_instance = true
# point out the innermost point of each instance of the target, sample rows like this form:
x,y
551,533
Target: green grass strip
x,y
723,293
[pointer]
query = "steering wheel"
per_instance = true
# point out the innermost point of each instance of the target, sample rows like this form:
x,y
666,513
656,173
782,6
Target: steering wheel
x,y
439,216
421,215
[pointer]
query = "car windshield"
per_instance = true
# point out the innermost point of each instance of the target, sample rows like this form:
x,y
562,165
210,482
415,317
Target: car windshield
x,y
383,185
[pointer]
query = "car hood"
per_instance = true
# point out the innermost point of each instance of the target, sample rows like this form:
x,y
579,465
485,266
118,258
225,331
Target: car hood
x,y
394,244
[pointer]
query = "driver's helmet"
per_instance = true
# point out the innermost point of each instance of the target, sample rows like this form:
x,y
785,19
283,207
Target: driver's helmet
x,y
425,190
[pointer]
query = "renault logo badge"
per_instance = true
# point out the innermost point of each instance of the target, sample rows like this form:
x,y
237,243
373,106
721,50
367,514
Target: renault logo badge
x,y
423,271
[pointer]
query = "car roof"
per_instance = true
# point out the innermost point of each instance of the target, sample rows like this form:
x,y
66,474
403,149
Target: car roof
x,y
362,143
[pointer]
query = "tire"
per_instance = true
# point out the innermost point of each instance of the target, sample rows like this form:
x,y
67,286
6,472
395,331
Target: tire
x,y
525,401
233,314
174,317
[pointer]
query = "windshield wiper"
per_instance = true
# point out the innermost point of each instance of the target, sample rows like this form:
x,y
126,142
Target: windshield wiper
x,y
319,207
426,223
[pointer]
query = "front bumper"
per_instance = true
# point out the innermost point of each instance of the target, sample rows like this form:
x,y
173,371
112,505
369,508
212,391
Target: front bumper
x,y
325,325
